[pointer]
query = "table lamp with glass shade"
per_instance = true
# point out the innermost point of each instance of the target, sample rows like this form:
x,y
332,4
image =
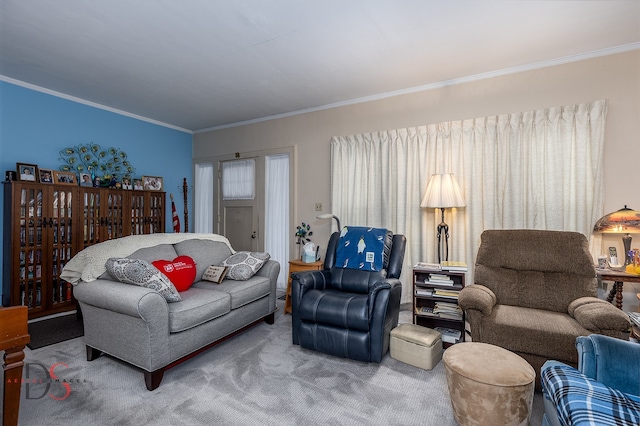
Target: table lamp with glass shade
x,y
443,192
623,221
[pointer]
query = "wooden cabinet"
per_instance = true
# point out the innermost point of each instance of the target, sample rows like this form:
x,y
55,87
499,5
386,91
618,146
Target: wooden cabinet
x,y
113,213
298,266
46,224
430,295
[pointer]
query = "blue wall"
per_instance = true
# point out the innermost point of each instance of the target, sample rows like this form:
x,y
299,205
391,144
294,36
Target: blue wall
x,y
35,126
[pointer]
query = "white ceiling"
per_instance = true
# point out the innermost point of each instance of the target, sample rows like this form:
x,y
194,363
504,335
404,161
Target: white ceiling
x,y
201,64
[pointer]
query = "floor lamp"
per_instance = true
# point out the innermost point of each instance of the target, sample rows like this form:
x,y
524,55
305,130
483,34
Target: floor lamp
x,y
443,192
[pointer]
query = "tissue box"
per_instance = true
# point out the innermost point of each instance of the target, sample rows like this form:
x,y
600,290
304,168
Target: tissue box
x,y
308,257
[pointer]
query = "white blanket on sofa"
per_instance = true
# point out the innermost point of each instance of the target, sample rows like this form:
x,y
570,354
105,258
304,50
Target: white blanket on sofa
x,y
88,264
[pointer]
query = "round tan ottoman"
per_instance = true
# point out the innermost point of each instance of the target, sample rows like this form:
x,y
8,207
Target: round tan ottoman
x,y
488,385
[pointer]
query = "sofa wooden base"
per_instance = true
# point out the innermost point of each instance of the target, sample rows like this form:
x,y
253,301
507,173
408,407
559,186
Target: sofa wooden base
x,y
152,379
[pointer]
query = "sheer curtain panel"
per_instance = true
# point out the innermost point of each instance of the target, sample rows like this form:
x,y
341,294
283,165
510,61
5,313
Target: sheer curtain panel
x,y
203,198
277,212
539,169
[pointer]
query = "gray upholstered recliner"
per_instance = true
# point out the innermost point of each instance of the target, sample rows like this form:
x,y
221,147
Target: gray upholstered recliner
x,y
349,312
535,293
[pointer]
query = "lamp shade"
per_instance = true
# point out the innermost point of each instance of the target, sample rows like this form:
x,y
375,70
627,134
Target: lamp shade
x,y
621,221
443,191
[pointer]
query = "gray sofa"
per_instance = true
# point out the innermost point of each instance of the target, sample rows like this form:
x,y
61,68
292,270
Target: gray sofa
x,y
137,325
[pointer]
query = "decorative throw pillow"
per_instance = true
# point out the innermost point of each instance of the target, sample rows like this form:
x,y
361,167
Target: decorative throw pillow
x,y
142,273
244,264
181,271
215,273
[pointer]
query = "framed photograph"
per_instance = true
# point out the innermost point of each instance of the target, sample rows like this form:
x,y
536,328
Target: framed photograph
x,y
126,183
137,184
28,172
64,178
152,183
85,179
46,175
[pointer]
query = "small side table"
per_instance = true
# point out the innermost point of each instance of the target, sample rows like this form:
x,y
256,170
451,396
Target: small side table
x,y
618,278
298,266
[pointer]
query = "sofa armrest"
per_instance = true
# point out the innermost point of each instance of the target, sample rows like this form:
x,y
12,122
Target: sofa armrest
x,y
271,270
127,299
598,315
478,297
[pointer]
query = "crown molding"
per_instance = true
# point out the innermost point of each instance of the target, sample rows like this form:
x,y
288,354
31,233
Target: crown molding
x,y
441,84
89,103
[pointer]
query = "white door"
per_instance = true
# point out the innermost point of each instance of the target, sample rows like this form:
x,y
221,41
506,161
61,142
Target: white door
x,y
239,206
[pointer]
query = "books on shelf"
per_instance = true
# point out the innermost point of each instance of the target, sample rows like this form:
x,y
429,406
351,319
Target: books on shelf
x,y
424,292
635,318
441,310
439,279
451,294
449,335
454,266
427,266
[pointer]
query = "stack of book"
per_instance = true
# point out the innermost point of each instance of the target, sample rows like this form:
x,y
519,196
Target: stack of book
x,y
449,335
449,294
439,279
428,292
453,266
447,310
427,266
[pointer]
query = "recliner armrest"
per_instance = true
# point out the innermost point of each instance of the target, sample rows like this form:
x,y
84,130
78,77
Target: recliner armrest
x,y
478,297
612,362
386,284
598,315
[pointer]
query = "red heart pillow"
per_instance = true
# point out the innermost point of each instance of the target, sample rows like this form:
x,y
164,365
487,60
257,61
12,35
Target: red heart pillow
x,y
181,271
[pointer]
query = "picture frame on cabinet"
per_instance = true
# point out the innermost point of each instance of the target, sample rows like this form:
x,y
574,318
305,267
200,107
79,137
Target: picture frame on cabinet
x,y
137,184
152,183
126,183
46,175
27,172
64,178
85,179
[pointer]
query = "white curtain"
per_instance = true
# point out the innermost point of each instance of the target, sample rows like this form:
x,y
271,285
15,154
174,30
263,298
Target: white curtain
x,y
203,198
539,169
277,212
238,179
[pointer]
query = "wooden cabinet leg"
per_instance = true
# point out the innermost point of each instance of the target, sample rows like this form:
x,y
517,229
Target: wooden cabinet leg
x,y
13,362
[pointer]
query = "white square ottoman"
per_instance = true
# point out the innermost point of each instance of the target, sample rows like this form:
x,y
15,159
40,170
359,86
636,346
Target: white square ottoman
x,y
416,345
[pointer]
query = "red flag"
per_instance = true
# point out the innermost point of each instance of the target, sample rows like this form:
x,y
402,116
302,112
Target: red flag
x,y
176,219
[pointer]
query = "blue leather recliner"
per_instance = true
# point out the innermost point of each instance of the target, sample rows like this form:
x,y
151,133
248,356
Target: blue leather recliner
x,y
349,308
604,390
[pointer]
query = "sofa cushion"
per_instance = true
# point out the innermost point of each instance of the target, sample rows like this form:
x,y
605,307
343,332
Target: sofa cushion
x,y
181,271
543,333
197,307
240,292
161,251
204,253
215,274
142,273
244,264
336,308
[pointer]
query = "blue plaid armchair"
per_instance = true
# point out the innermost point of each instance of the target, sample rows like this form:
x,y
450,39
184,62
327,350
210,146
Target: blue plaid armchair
x,y
605,390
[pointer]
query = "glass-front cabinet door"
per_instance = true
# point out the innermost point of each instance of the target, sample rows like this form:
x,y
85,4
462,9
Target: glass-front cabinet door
x,y
38,242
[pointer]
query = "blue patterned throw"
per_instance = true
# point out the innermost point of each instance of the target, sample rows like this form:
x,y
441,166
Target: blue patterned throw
x,y
361,248
582,401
